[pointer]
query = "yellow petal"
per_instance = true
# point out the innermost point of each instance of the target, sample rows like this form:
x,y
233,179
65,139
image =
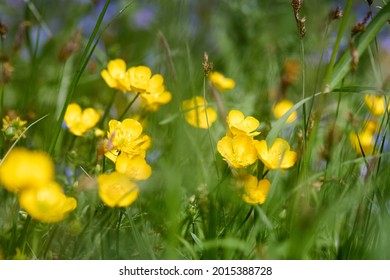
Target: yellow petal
x,y
282,107
238,151
139,78
135,167
238,124
110,81
221,82
225,147
72,115
47,203
278,156
155,84
116,68
90,118
24,169
376,104
255,192
234,117
117,189
132,127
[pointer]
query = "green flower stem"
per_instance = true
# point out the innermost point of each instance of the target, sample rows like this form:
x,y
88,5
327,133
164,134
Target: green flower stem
x,y
220,105
107,110
129,106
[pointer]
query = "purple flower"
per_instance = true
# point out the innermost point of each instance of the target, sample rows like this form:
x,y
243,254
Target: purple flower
x,y
144,17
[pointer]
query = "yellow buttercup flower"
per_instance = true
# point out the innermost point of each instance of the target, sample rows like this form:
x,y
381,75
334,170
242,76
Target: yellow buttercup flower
x,y
115,75
154,100
80,121
364,141
47,203
24,169
126,136
376,104
117,189
238,124
221,82
255,191
195,113
155,84
239,151
278,156
282,107
135,167
14,127
139,77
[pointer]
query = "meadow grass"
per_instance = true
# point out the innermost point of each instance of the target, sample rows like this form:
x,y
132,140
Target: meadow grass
x,y
332,204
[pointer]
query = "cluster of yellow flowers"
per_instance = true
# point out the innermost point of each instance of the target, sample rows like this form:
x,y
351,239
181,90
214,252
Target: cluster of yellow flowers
x,y
30,174
126,146
138,79
240,150
364,141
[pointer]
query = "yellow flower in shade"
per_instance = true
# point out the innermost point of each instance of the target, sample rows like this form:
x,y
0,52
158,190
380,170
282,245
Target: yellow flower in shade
x,y
80,121
364,141
282,107
117,189
135,167
47,203
239,151
238,124
115,75
155,84
127,137
13,128
255,192
221,82
155,94
195,113
376,104
23,169
139,77
278,156
154,100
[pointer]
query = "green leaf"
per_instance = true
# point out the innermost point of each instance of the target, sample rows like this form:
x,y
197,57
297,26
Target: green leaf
x,y
362,41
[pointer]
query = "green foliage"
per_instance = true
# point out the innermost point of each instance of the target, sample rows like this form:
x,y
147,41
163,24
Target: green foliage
x,y
333,204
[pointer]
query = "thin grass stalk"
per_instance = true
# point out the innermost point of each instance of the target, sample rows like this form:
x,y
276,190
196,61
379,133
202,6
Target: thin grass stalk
x,y
129,106
336,47
2,92
208,129
305,118
87,53
107,110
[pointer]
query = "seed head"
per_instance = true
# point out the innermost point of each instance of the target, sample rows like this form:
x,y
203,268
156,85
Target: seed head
x,y
3,30
207,66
